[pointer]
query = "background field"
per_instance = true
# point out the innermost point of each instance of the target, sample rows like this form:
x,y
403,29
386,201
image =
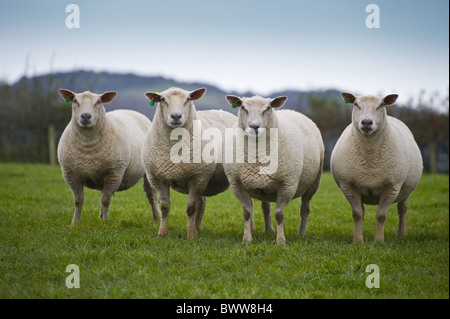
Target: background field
x,y
124,258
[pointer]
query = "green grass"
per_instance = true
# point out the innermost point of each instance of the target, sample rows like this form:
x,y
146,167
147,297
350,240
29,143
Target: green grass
x,y
124,258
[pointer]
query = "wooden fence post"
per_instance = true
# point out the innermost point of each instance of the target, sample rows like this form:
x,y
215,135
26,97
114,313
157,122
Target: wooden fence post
x,y
51,144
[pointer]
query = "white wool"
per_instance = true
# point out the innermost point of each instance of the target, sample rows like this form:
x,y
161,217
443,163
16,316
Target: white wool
x,y
105,155
300,163
198,180
376,164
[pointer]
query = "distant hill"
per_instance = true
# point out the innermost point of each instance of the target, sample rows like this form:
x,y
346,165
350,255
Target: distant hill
x,y
131,89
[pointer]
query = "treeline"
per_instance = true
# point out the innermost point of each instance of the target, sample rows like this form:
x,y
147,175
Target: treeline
x,y
32,111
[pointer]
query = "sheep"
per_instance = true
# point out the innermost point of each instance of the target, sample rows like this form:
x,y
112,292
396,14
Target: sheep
x,y
102,150
376,162
299,161
176,112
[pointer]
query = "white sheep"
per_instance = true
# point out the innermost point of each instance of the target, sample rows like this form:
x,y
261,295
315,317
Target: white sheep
x,y
376,161
102,150
298,158
196,177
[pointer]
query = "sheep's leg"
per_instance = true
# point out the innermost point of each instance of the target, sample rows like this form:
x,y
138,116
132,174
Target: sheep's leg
x,y
247,205
381,218
193,197
78,194
304,213
265,206
164,199
354,199
252,221
107,192
386,200
152,199
200,206
279,216
401,208
77,190
306,199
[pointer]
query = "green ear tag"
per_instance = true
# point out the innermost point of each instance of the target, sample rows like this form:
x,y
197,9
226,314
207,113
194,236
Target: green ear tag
x,y
347,100
152,102
234,105
67,100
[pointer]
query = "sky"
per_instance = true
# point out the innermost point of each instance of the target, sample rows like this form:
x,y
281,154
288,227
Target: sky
x,y
262,46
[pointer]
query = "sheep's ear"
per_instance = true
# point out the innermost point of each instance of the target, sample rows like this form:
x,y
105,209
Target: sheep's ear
x,y
390,99
348,98
155,97
197,94
108,97
234,101
278,102
67,95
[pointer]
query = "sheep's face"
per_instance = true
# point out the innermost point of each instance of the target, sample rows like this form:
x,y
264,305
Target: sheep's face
x,y
369,112
255,113
87,107
176,104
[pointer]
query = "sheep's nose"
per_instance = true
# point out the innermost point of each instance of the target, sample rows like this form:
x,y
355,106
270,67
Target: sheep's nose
x,y
255,127
367,122
85,116
175,116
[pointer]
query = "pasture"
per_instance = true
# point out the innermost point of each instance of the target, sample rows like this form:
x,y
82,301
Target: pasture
x,y
124,258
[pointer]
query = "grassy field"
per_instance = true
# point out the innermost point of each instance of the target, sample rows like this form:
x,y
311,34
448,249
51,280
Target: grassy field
x,y
124,258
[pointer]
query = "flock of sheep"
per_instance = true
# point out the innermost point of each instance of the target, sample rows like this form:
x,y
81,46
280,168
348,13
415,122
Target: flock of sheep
x,y
375,161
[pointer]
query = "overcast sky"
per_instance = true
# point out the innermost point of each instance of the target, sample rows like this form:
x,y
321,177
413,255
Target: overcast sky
x,y
256,45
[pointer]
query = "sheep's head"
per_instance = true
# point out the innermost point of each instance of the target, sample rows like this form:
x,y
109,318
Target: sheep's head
x,y
176,104
369,112
255,113
87,107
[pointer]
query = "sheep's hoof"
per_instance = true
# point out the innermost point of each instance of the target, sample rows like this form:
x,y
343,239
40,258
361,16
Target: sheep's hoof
x,y
401,234
247,239
163,232
379,240
192,234
301,233
103,216
270,230
281,241
358,241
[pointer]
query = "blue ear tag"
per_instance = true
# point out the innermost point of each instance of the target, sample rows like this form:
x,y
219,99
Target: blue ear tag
x,y
67,100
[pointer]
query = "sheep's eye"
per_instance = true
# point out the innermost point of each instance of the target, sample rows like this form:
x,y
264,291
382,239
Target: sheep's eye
x,y
244,109
357,105
74,101
267,109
